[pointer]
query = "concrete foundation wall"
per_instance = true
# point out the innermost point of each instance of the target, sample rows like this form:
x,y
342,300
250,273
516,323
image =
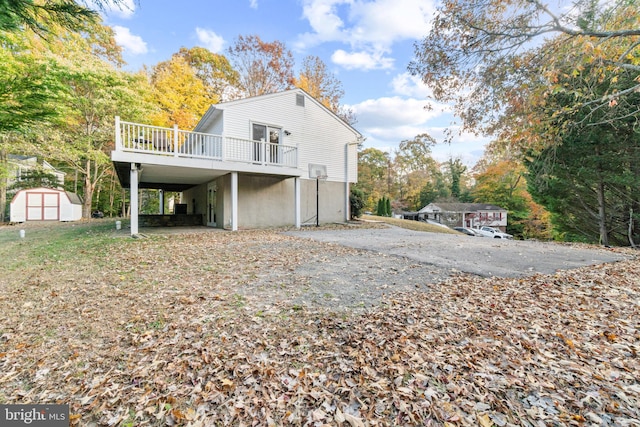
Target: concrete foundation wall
x,y
265,201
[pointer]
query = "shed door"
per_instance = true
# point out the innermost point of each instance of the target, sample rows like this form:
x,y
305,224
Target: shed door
x,y
43,206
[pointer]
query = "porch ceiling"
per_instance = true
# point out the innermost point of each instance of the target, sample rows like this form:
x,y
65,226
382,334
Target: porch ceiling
x,y
180,178
168,178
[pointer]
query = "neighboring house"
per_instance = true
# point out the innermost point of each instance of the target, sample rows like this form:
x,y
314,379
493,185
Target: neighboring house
x,y
472,215
19,165
45,204
280,159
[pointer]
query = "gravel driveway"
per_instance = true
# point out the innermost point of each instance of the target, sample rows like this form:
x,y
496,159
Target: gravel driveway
x,y
356,268
481,256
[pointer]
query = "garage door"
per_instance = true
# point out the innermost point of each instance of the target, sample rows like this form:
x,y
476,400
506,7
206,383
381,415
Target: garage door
x,y
43,206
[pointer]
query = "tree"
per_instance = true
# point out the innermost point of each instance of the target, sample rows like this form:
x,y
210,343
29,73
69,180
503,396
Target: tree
x,y
588,180
220,80
479,54
414,168
503,184
316,80
30,89
39,16
380,207
35,178
263,67
587,171
97,91
373,175
43,17
180,96
455,170
435,189
356,203
56,77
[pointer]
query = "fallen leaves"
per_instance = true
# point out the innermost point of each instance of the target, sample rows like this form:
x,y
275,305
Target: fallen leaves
x,y
159,336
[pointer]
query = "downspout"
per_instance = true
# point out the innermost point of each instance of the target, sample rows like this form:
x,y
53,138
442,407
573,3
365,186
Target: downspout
x,y
347,204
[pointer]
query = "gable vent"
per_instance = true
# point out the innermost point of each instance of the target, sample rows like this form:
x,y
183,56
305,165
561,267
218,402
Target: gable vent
x,y
299,100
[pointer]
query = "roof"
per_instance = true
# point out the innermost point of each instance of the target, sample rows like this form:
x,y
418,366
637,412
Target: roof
x,y
74,198
461,207
217,109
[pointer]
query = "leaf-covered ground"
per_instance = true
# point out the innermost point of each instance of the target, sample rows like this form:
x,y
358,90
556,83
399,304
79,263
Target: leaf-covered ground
x,y
185,330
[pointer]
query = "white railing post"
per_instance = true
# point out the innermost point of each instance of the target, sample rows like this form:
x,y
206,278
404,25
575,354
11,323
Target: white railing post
x,y
176,133
223,147
118,135
264,152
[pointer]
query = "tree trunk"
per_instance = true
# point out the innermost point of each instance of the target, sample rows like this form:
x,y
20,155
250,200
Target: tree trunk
x,y
88,192
4,166
630,230
602,210
602,218
112,195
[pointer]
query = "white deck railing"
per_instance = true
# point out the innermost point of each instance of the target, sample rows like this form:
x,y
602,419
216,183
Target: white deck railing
x,y
138,138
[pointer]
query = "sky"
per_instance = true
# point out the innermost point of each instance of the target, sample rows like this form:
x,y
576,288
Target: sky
x,y
366,44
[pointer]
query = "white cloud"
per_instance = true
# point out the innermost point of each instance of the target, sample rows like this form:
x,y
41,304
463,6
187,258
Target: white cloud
x,y
131,43
365,26
361,60
210,40
392,112
412,86
253,4
385,122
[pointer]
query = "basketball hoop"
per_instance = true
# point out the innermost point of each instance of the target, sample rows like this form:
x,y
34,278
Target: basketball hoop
x,y
319,173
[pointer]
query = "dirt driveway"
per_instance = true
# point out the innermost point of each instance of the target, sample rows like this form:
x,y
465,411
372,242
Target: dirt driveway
x,y
481,256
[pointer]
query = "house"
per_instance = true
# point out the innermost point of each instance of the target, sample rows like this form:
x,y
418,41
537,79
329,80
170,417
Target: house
x,y
472,215
19,165
280,159
45,204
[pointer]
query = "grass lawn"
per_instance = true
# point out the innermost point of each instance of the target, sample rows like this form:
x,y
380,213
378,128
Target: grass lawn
x,y
153,332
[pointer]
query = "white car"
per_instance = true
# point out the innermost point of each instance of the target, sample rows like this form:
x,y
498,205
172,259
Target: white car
x,y
494,232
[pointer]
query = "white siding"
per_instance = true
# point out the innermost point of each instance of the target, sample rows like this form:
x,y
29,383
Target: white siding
x,y
321,136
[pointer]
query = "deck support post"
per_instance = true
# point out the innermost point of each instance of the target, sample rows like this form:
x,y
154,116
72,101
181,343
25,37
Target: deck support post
x,y
296,195
234,201
133,190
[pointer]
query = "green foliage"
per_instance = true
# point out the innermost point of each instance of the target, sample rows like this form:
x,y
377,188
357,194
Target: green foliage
x,y
384,207
589,183
30,86
589,178
35,178
373,170
40,17
356,202
433,191
379,208
456,169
